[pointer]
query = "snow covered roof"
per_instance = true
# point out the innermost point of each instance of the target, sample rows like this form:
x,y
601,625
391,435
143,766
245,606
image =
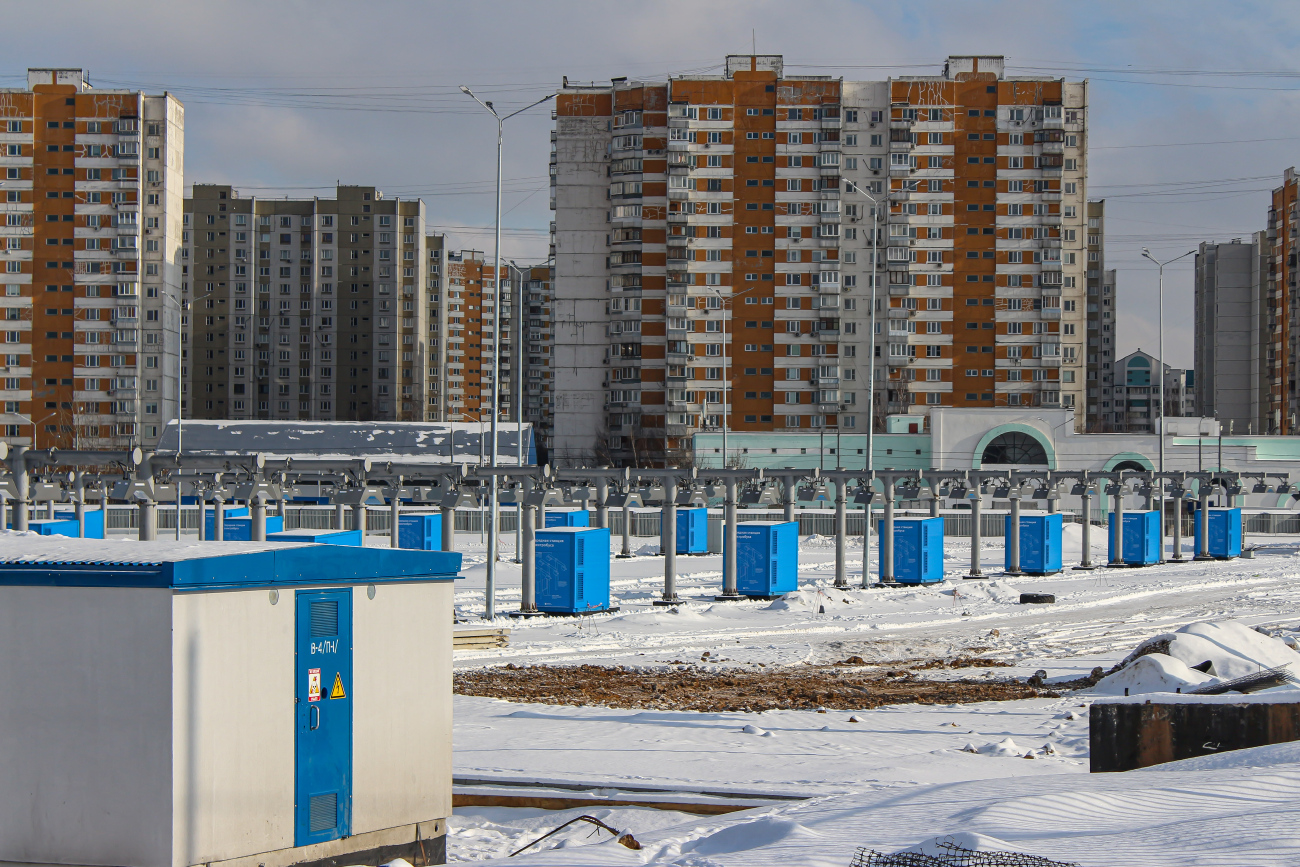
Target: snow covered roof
x,y
434,442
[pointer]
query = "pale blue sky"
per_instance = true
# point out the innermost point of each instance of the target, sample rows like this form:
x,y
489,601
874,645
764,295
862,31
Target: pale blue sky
x,y
282,96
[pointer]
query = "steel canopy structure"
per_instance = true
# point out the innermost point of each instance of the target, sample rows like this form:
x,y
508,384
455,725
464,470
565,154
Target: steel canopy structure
x,y
399,442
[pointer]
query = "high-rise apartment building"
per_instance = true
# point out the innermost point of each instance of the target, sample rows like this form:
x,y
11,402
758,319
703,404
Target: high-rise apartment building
x,y
1102,325
713,242
305,308
1283,305
538,331
462,336
93,184
1232,333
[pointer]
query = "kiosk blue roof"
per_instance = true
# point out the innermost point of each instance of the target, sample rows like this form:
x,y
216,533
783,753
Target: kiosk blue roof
x,y
27,559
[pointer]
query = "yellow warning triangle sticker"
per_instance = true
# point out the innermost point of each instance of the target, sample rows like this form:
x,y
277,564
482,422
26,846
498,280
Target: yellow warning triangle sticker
x,y
337,691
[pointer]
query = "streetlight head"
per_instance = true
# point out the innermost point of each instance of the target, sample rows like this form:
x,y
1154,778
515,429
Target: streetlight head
x,y
465,90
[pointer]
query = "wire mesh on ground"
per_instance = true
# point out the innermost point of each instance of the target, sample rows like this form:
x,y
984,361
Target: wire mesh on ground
x,y
953,854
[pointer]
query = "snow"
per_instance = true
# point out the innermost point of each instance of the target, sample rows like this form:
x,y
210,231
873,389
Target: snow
x,y
1154,672
1010,775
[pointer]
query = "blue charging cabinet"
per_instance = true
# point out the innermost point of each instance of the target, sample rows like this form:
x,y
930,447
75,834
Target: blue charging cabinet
x,y
767,557
567,518
918,550
240,529
421,531
1141,538
1040,543
693,531
572,569
322,537
1225,533
210,522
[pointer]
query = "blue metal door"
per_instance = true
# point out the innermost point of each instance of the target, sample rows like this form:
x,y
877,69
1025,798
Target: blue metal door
x,y
323,710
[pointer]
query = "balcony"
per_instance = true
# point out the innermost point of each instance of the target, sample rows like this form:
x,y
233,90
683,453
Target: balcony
x,y
679,193
676,430
1051,313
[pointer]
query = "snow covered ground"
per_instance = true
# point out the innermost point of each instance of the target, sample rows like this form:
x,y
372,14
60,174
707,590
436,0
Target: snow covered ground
x,y
1013,771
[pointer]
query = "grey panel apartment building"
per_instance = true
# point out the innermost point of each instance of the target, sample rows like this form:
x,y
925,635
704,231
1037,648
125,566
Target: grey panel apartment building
x,y
1103,327
1232,327
305,309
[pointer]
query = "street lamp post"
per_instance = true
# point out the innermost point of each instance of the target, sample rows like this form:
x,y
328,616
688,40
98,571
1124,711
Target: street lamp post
x,y
1160,371
869,463
490,609
518,370
726,375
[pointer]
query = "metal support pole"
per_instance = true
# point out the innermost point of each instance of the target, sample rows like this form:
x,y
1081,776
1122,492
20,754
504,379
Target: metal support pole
x,y
668,543
627,530
147,511
1085,562
340,517
1117,526
1203,520
1013,535
934,505
1178,529
866,534
257,511
1053,502
602,503
395,516
79,507
22,485
219,519
203,519
787,497
887,537
841,532
729,583
540,521
359,517
528,597
976,532
448,528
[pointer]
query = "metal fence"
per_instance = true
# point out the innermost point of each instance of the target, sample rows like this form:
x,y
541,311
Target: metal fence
x,y
125,519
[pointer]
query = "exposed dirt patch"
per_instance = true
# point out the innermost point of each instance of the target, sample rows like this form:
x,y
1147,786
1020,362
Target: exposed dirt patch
x,y
700,689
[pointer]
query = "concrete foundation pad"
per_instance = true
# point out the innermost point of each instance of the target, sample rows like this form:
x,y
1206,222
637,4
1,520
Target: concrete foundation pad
x,y
421,844
733,598
609,610
668,603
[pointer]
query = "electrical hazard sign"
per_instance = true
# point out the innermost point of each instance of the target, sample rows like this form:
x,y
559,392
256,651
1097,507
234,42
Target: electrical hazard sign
x,y
337,691
313,684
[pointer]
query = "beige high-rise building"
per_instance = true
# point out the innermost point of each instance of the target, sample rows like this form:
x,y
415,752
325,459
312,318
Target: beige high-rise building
x,y
714,255
307,308
91,243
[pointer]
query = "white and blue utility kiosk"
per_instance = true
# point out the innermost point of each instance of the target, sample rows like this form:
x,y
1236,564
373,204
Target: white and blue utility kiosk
x,y
168,704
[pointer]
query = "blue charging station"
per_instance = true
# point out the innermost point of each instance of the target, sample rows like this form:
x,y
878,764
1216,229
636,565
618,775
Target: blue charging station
x,y
693,531
572,570
421,531
567,518
1225,533
1141,538
767,558
319,537
1040,543
918,550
